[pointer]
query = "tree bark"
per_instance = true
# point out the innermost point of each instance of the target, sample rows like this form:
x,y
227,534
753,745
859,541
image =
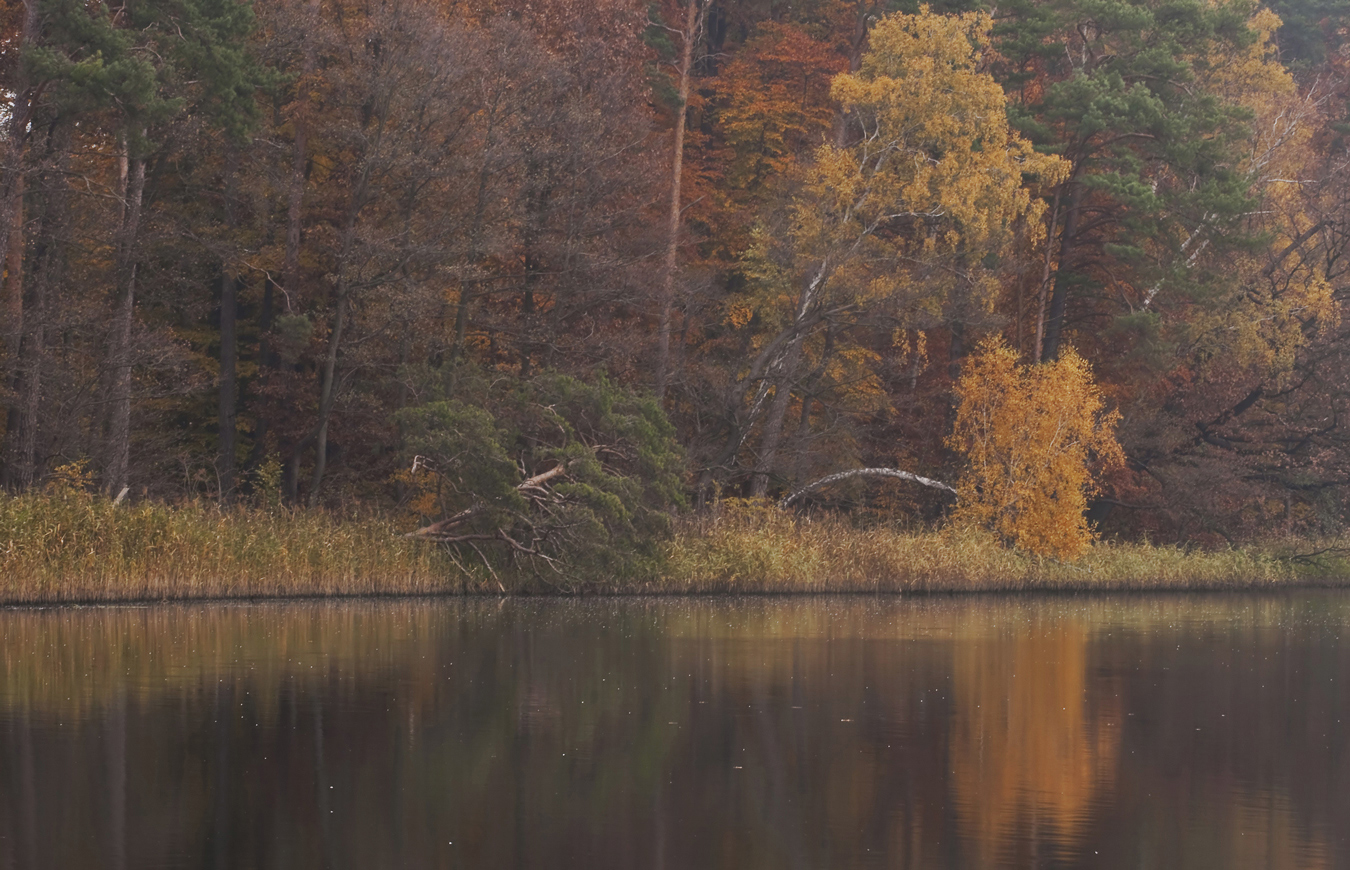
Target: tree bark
x,y
1046,274
342,292
441,528
692,23
12,325
773,423
267,363
761,378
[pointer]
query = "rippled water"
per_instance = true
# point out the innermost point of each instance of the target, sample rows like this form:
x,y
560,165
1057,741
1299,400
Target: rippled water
x,y
974,732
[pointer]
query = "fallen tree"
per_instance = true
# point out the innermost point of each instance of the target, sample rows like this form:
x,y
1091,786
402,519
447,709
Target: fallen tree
x,y
864,472
548,472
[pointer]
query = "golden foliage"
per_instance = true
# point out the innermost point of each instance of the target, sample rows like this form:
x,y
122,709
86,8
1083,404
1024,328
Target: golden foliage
x,y
936,138
930,186
1281,291
72,479
935,172
1029,433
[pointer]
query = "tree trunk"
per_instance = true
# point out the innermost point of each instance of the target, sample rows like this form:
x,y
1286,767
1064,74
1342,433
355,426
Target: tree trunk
x,y
866,10
802,439
693,19
1042,292
21,468
295,192
295,199
773,423
12,325
51,211
341,293
781,376
466,287
119,345
267,363
229,381
11,178
12,156
1054,317
742,419
327,396
229,351
13,282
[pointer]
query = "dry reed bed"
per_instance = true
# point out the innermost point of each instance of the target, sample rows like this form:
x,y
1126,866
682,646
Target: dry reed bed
x,y
766,550
73,548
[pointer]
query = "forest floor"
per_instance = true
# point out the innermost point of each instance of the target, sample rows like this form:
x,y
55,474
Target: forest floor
x,y
73,548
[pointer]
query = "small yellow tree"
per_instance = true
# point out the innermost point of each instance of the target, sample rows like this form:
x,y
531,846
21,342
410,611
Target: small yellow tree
x,y
1029,434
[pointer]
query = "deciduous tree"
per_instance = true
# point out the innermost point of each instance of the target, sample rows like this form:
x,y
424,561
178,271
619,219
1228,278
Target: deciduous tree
x,y
932,188
1030,435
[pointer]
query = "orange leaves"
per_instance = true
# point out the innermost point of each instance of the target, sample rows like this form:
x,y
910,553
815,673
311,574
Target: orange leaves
x,y
1029,434
775,101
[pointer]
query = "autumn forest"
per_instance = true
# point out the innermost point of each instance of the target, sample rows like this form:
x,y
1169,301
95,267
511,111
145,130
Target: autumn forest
x,y
571,257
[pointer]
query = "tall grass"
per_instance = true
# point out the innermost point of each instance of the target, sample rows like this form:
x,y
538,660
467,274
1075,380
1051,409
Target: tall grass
x,y
748,549
69,547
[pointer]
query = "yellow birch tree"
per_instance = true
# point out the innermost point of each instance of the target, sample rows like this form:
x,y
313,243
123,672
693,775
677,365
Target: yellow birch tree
x,y
1029,434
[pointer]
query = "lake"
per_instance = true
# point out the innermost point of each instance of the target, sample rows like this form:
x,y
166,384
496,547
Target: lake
x,y
1173,731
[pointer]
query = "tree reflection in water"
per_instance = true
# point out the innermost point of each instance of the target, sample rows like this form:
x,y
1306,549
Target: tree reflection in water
x,y
798,732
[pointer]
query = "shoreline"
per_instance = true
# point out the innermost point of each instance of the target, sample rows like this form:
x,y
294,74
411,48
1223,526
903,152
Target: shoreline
x,y
1300,585
657,590
78,550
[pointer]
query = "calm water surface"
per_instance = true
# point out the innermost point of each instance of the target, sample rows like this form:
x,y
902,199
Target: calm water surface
x,y
1169,732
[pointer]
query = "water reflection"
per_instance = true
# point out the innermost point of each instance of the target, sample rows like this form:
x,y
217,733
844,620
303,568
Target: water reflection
x,y
971,732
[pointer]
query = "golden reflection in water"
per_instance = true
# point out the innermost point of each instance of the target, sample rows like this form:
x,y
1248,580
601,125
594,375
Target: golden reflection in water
x,y
1266,834
1031,758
